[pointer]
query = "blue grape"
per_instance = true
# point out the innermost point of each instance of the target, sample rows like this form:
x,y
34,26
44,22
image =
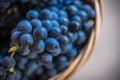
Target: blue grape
x,y
77,18
91,12
66,48
63,21
32,14
21,61
75,26
18,74
55,15
55,32
56,52
45,14
46,58
26,39
62,13
51,2
72,53
47,24
61,60
51,44
32,55
55,23
82,37
30,68
38,46
8,62
83,15
53,8
67,2
2,73
72,36
24,26
72,10
10,76
39,71
64,29
77,3
40,33
60,67
15,37
49,66
24,50
51,72
87,27
63,40
36,23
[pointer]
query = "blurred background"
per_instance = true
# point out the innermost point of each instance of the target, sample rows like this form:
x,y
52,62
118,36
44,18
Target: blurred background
x,y
104,63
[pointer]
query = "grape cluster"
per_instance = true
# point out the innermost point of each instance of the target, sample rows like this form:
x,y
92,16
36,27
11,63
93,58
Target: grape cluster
x,y
7,65
49,37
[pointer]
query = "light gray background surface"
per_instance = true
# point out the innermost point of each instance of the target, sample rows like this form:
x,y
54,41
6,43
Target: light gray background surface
x,y
104,64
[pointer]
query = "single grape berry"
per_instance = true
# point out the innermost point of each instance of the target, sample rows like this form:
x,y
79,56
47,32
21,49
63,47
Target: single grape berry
x,y
46,58
91,12
38,46
72,53
61,60
56,52
36,23
53,8
24,26
62,13
87,27
72,10
15,37
55,32
77,18
51,72
63,21
83,15
18,74
49,66
75,26
2,73
39,71
45,14
26,39
55,23
51,2
32,55
10,76
24,50
82,37
51,45
63,40
8,62
66,48
32,14
47,24
40,33
64,29
55,15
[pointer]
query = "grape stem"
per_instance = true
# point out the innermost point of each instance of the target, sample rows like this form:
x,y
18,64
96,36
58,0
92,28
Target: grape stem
x,y
12,50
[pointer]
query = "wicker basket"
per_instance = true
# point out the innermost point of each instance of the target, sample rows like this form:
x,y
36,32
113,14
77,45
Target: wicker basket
x,y
87,50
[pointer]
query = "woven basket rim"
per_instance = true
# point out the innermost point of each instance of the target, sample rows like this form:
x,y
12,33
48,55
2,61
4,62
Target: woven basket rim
x,y
86,52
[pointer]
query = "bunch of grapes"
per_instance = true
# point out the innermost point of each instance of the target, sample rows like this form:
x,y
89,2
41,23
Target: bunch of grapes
x,y
7,65
49,37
